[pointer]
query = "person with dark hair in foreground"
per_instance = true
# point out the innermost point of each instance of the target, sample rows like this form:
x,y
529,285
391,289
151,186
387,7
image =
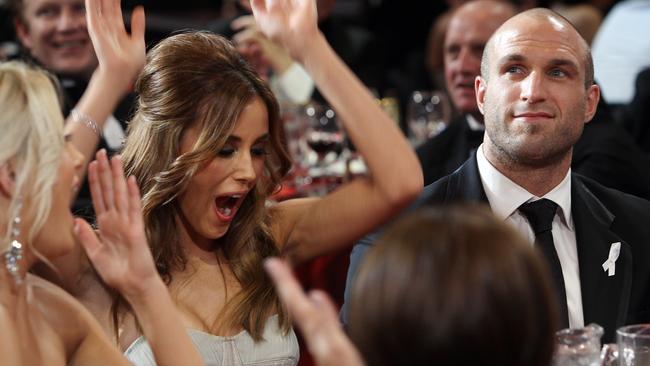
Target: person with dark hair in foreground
x,y
450,286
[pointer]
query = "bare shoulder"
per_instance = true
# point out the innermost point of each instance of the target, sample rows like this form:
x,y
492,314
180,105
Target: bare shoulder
x,y
59,307
82,337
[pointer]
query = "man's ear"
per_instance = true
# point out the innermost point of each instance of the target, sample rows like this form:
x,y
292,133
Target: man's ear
x,y
7,179
22,31
591,105
479,89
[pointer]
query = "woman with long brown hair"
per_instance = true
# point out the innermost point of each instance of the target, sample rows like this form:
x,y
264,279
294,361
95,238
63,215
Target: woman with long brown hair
x,y
207,149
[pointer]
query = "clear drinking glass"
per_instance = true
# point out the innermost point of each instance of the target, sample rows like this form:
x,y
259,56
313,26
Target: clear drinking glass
x,y
633,345
427,113
578,346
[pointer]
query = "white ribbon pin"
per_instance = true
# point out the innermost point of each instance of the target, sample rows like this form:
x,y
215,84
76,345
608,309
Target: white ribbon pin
x,y
610,264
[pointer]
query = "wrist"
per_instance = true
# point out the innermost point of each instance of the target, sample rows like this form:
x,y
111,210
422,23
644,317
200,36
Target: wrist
x,y
308,45
146,293
113,88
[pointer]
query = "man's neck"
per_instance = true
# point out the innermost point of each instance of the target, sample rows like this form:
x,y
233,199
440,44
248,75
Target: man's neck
x,y
536,179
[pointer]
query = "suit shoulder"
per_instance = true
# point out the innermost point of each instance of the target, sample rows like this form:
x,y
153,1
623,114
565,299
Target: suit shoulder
x,y
618,202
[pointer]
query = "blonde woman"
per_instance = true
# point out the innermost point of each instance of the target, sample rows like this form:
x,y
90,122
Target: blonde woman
x,y
39,167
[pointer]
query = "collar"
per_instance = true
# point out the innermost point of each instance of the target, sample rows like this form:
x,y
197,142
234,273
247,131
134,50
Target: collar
x,y
473,124
505,196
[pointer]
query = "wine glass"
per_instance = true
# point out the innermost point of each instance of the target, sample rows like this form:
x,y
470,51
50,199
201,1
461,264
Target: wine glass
x,y
326,142
427,114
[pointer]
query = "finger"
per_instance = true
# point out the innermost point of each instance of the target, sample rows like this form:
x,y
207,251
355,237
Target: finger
x,y
246,36
87,238
135,202
114,15
244,21
138,24
96,189
258,7
119,184
324,304
273,6
289,289
96,24
105,179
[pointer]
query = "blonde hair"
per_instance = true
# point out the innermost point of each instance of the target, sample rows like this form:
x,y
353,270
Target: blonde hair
x,y
31,141
199,79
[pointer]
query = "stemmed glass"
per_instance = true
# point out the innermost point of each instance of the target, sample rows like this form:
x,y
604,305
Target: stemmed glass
x,y
427,113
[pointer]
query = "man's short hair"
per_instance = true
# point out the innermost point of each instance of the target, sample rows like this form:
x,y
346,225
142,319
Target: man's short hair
x,y
539,13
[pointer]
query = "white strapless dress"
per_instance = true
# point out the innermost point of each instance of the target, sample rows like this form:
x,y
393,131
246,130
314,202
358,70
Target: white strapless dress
x,y
276,349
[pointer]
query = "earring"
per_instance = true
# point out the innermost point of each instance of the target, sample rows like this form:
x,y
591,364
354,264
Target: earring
x,y
15,252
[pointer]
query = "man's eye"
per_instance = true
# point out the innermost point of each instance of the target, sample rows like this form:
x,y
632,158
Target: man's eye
x,y
226,152
513,70
557,73
46,12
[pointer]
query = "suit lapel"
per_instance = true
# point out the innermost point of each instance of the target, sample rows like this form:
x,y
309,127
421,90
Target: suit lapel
x,y
465,183
604,298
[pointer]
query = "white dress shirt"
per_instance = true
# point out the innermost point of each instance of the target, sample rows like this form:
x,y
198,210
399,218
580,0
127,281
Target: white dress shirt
x,y
505,197
294,85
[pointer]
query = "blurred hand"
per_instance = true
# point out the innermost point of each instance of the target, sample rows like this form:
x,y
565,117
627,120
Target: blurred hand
x,y
315,316
257,49
119,252
291,23
121,55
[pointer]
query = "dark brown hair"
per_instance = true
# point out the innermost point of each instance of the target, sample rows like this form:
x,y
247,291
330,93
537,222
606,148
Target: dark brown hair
x,y
199,79
453,286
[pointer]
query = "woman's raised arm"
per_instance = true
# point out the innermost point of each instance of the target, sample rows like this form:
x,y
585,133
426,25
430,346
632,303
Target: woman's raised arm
x,y
121,57
311,227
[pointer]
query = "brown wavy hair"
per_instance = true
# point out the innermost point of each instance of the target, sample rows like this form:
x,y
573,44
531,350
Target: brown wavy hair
x,y
199,79
453,286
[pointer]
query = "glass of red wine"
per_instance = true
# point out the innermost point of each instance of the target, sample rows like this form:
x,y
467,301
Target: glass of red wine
x,y
326,141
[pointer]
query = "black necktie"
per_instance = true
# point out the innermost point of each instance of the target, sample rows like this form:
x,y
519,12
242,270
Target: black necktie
x,y
540,215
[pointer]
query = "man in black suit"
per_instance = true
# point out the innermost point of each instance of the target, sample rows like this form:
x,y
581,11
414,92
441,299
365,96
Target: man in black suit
x,y
536,92
468,31
605,152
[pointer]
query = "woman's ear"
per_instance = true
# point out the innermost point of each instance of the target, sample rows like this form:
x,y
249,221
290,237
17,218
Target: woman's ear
x,y
7,179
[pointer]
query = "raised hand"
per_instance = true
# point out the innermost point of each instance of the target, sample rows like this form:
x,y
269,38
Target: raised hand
x,y
119,252
257,49
121,55
291,23
316,317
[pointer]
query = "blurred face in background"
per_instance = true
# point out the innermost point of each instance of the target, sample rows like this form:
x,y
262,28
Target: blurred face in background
x,y
55,33
469,30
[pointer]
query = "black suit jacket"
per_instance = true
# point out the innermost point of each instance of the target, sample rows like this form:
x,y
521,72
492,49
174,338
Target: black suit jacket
x,y
601,216
604,152
444,153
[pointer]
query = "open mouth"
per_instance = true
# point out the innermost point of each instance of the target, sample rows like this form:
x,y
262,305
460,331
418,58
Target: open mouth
x,y
227,206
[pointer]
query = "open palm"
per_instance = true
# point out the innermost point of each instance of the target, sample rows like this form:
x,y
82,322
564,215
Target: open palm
x,y
287,22
119,252
118,52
